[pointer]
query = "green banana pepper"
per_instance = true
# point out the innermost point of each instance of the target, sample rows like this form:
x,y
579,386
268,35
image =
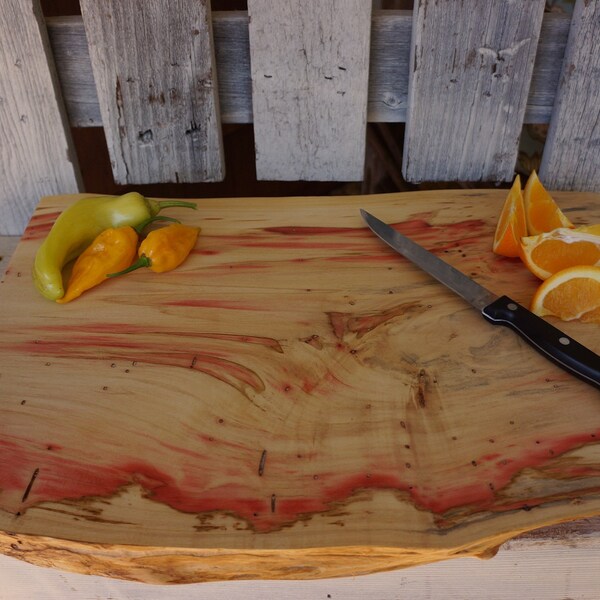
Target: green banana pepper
x,y
79,224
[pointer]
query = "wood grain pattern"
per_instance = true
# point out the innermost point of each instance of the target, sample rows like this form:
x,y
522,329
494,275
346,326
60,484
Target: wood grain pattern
x,y
36,151
295,401
388,65
388,69
310,82
232,59
571,158
154,70
72,57
547,67
471,67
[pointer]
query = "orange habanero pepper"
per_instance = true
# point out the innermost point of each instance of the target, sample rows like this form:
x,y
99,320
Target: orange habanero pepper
x,y
164,249
113,249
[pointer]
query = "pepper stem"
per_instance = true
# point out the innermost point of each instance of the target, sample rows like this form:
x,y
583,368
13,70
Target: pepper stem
x,y
141,226
156,206
168,203
142,261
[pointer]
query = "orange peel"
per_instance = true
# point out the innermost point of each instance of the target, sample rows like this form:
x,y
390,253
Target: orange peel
x,y
541,211
570,294
512,224
548,253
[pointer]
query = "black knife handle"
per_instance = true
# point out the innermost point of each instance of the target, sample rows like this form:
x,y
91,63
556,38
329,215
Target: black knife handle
x,y
548,340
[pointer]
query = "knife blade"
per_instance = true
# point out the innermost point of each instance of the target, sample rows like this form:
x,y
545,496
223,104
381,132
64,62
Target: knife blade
x,y
548,340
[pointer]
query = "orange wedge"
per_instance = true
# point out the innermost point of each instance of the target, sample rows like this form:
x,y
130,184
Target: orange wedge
x,y
541,211
548,253
572,293
511,225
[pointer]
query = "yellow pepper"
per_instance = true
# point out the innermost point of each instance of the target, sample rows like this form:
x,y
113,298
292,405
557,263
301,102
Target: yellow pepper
x,y
78,226
112,250
164,249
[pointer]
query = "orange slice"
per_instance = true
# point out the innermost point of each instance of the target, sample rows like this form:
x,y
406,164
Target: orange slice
x,y
541,211
511,225
572,293
548,253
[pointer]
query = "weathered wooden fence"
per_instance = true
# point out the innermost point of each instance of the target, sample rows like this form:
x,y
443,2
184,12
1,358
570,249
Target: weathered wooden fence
x,y
161,76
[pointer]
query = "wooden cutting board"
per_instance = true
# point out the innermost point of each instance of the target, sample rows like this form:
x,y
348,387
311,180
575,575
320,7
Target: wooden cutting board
x,y
295,401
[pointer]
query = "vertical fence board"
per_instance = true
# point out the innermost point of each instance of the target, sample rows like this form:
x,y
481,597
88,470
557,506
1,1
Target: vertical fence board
x,y
36,151
546,69
232,54
388,70
470,72
72,59
153,63
309,62
571,159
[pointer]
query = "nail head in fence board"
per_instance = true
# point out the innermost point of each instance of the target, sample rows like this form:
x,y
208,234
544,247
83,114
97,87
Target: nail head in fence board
x,y
36,151
154,69
470,72
571,159
309,62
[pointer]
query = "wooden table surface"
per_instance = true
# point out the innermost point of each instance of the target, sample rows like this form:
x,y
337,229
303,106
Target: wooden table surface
x,y
296,401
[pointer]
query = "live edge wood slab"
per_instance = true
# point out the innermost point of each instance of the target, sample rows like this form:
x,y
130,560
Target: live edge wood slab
x,y
295,401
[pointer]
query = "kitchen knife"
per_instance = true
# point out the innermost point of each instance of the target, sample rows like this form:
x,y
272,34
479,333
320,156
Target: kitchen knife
x,y
498,310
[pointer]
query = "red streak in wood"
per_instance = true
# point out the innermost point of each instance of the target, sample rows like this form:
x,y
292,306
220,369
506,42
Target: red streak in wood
x,y
189,486
119,328
495,473
13,468
127,330
39,226
205,252
59,477
309,385
490,457
229,372
69,479
244,339
75,347
87,347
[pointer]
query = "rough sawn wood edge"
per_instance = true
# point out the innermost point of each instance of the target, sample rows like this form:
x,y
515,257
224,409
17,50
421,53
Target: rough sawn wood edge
x,y
161,565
